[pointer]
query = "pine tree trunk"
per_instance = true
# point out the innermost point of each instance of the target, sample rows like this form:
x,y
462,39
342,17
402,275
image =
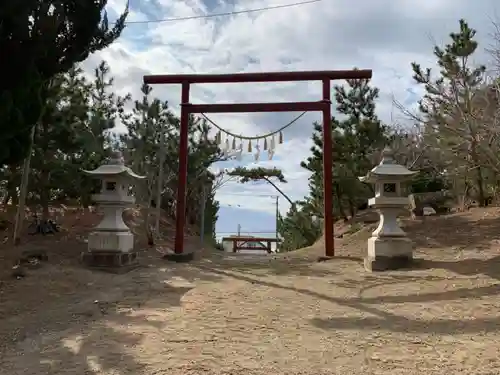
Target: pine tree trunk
x,y
23,192
147,213
159,185
338,194
278,190
15,197
12,188
479,174
479,181
44,193
6,199
44,140
86,200
352,209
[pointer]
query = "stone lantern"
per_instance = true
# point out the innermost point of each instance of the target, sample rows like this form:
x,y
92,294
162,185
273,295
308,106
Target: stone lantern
x,y
111,243
388,248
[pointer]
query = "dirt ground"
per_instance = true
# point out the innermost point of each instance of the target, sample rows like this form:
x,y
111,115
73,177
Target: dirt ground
x,y
287,314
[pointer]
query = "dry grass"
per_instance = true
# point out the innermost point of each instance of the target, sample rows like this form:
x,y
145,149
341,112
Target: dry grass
x,y
282,315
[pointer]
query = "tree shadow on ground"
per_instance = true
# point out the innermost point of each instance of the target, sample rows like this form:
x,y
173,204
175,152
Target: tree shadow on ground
x,y
395,323
97,345
101,350
370,282
86,332
277,268
384,320
281,265
454,231
471,266
103,346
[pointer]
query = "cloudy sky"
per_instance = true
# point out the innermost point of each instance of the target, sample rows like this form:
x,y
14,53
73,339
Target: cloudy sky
x,y
382,35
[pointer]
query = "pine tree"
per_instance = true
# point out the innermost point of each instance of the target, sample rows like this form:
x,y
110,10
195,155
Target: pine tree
x,y
261,174
298,229
152,129
71,136
149,122
452,122
42,39
56,136
357,136
104,111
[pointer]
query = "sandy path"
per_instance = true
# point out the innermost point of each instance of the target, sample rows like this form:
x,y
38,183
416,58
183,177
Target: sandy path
x,y
251,317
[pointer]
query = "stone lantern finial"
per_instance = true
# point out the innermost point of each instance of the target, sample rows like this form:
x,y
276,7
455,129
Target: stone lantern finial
x,y
116,158
387,156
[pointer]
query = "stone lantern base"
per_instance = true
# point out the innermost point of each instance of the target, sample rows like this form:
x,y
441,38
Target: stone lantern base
x,y
111,251
111,261
388,253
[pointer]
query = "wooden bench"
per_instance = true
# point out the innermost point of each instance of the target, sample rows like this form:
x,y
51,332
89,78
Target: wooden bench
x,y
259,243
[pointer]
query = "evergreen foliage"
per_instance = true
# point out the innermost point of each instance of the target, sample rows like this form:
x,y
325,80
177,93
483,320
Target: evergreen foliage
x,y
454,144
261,174
40,40
74,134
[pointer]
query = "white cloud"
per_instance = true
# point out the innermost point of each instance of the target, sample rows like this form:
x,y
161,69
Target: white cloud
x,y
385,36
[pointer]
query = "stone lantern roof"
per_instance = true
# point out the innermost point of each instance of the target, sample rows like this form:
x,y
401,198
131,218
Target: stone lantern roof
x,y
387,169
115,166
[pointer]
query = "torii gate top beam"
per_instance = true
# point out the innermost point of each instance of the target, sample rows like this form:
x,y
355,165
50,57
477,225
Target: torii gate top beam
x,y
257,77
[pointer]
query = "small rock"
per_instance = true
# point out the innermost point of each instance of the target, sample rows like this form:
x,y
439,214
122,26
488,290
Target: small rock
x,y
33,255
33,264
428,211
18,272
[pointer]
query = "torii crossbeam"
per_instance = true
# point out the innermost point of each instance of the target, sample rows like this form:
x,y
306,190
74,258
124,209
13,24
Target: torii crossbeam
x,y
323,105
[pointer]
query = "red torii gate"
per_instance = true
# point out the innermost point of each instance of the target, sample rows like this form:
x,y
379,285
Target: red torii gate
x,y
187,108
